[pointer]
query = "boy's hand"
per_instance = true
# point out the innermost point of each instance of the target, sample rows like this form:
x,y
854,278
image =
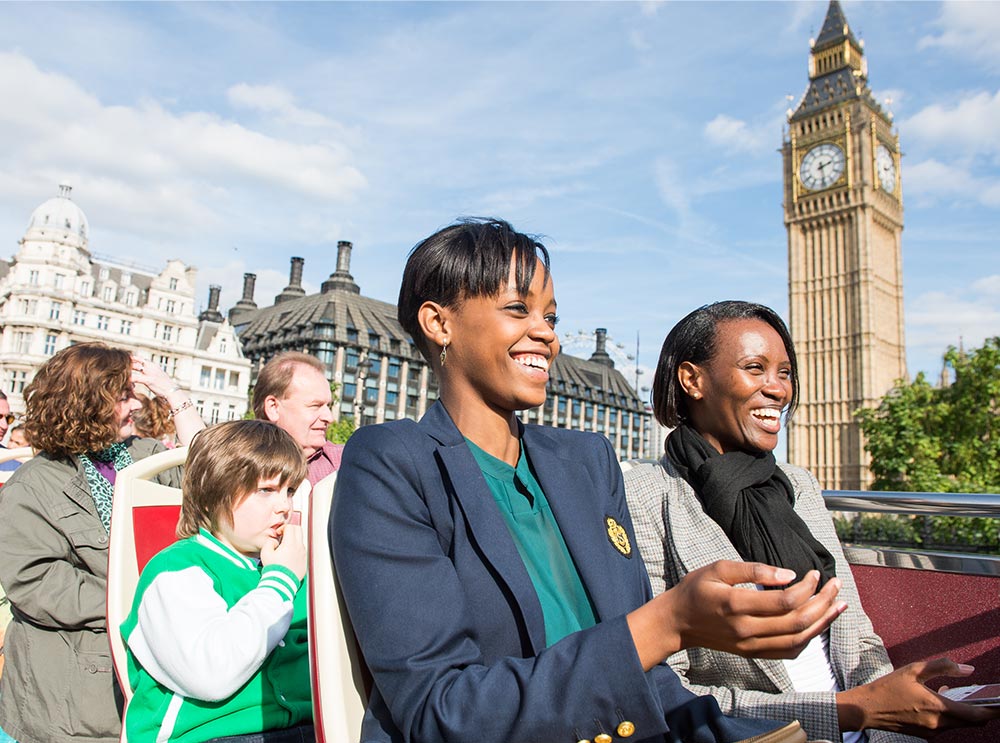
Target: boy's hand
x,y
289,553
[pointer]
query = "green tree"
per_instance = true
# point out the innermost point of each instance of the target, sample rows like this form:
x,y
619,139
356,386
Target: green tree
x,y
340,431
937,439
940,439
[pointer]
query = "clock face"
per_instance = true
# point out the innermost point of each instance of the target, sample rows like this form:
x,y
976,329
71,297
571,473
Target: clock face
x,y
885,166
822,166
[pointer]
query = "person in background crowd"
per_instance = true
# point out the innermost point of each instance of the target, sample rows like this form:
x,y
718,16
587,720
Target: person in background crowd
x,y
727,372
487,565
17,438
6,419
55,516
153,421
292,392
217,633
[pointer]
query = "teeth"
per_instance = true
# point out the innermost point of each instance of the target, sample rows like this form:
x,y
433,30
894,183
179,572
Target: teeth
x,y
533,360
767,413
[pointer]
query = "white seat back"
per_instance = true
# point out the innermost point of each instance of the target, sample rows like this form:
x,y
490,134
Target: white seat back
x,y
143,521
335,663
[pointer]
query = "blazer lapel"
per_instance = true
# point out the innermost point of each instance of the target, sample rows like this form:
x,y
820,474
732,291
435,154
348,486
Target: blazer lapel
x,y
580,511
484,519
699,541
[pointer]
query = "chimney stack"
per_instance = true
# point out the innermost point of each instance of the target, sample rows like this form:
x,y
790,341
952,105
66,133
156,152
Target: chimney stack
x,y
246,303
600,354
212,314
341,279
294,288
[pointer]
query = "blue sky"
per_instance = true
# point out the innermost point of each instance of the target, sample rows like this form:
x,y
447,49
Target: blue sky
x,y
640,139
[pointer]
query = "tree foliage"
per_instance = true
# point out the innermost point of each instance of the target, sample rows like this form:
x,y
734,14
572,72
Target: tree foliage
x,y
944,439
940,439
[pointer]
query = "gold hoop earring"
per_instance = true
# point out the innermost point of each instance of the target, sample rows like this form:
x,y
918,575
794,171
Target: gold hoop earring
x,y
444,353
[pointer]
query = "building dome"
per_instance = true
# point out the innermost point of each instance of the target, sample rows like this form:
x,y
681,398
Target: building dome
x,y
60,216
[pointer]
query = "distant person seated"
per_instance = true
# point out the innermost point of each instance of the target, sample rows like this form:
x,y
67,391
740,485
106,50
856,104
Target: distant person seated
x,y
6,418
292,392
5,415
726,375
18,439
153,421
217,635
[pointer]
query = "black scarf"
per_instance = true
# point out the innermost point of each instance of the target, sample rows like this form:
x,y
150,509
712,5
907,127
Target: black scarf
x,y
752,500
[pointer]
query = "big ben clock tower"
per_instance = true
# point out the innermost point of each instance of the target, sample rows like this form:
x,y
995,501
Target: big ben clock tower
x,y
844,213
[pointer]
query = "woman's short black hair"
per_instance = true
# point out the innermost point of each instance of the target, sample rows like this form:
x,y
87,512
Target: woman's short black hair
x,y
468,259
694,339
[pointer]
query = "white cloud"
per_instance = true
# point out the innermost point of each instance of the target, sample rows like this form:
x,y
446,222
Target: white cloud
x,y
932,180
737,136
672,188
280,103
938,319
970,29
969,125
144,159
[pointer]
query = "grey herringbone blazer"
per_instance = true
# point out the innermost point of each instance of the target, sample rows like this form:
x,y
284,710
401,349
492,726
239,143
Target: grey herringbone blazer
x,y
675,537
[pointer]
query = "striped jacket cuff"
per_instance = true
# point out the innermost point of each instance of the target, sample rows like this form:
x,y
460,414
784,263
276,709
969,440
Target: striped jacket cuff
x,y
280,579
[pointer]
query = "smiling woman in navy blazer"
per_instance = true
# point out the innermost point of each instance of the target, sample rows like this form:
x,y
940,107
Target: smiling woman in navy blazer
x,y
489,567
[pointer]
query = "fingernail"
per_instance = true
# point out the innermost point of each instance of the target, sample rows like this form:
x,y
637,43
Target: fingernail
x,y
784,574
966,667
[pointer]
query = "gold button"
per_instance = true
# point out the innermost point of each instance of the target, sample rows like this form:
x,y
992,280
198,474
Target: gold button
x,y
625,729
602,738
583,740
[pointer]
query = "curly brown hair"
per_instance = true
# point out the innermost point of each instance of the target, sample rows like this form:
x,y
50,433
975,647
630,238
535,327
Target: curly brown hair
x,y
71,406
153,420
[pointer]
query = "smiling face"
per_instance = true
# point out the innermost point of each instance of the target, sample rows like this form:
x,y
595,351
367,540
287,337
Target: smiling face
x,y
304,411
735,399
500,348
257,518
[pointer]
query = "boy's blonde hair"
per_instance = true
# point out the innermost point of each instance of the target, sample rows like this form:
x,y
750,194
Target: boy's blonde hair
x,y
225,464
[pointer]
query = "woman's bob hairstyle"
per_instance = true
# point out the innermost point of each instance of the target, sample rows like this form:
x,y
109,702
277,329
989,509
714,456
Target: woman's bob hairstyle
x,y
694,339
71,406
468,259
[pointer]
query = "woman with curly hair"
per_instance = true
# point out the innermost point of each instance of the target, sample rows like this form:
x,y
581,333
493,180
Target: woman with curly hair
x,y
153,420
55,516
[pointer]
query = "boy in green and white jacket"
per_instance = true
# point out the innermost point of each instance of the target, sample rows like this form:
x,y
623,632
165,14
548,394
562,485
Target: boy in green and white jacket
x,y
217,634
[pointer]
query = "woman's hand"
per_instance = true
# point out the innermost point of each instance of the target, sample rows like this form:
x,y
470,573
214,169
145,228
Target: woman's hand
x,y
290,552
708,609
183,412
900,702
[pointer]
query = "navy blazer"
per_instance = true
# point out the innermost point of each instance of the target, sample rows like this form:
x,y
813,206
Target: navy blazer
x,y
448,619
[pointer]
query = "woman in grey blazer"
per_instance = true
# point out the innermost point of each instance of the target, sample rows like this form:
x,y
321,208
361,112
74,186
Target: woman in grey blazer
x,y
726,375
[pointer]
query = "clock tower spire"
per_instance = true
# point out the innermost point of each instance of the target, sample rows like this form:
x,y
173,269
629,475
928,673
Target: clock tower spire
x,y
844,215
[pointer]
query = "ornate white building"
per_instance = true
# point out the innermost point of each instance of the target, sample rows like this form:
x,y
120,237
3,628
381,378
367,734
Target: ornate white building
x,y
55,293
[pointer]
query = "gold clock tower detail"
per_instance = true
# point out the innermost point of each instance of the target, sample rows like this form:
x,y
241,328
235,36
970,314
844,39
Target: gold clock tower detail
x,y
844,214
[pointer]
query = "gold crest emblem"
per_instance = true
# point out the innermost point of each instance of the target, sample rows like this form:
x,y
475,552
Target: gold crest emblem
x,y
618,537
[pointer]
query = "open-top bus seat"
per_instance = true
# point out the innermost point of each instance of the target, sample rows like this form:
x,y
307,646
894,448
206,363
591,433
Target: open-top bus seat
x,y
335,664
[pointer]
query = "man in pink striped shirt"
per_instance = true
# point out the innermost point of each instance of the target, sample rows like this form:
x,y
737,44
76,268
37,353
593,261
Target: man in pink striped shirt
x,y
293,392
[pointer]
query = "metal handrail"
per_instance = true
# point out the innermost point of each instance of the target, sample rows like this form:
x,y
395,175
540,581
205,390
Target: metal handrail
x,y
916,504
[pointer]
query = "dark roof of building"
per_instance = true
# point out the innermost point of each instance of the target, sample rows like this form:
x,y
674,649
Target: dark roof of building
x,y
834,28
846,83
294,323
592,380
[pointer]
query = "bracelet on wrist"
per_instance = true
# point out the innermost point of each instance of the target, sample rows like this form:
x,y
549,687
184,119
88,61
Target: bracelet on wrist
x,y
181,408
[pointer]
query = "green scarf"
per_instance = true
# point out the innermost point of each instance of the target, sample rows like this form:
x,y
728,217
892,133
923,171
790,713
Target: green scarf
x,y
101,490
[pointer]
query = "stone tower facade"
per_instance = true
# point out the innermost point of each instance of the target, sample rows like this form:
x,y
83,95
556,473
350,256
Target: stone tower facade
x,y
843,207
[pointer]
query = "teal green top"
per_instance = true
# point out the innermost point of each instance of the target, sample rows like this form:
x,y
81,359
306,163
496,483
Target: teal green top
x,y
565,605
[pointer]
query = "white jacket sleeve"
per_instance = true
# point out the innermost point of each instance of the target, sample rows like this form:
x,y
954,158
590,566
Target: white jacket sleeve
x,y
189,641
